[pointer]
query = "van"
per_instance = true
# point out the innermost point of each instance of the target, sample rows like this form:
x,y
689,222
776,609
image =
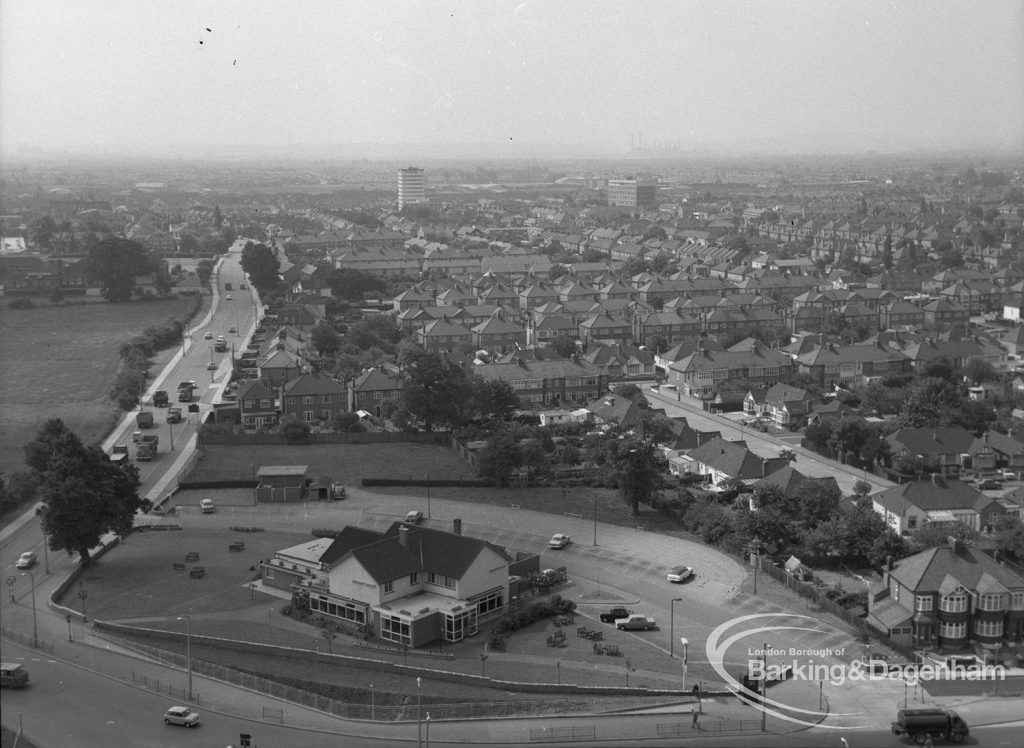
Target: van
x,y
207,506
12,675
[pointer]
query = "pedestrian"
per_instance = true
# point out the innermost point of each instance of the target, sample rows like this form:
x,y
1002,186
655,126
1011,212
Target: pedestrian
x,y
696,721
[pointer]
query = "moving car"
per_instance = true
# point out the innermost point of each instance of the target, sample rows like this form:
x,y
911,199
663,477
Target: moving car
x,y
232,329
208,336
559,540
211,365
181,715
228,297
635,622
679,574
207,507
27,560
414,517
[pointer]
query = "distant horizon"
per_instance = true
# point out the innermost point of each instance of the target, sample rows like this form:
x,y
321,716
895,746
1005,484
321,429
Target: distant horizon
x,y
412,79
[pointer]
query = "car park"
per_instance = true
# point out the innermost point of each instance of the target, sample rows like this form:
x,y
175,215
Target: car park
x,y
181,715
27,560
559,540
679,574
414,517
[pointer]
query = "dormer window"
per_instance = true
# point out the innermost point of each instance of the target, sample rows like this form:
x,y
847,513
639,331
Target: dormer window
x,y
954,602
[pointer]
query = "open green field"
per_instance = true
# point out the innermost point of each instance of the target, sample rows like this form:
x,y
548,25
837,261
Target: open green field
x,y
59,361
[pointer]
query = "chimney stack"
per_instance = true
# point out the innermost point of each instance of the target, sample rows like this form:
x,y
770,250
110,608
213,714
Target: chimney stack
x,y
457,526
403,536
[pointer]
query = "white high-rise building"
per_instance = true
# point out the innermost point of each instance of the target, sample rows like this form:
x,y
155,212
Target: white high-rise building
x,y
411,187
632,193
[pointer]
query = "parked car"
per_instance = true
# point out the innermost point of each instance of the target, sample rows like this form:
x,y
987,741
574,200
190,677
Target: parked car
x,y
1009,475
635,622
679,574
989,484
27,560
559,540
414,517
243,287
207,507
614,614
181,715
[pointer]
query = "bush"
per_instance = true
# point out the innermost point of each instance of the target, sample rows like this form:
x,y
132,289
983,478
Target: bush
x,y
21,304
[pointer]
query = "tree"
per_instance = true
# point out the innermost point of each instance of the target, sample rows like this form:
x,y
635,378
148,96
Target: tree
x,y
188,244
494,398
499,458
204,269
1009,534
565,346
42,230
218,218
861,488
349,422
979,370
262,265
931,402
937,534
115,263
325,339
295,431
436,391
84,494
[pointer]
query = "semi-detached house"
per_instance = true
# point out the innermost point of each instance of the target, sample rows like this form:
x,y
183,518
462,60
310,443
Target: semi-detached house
x,y
702,373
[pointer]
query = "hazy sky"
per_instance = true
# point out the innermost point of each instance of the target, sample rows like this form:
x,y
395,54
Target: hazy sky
x,y
163,76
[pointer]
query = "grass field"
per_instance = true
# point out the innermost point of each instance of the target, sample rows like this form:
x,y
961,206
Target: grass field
x,y
59,361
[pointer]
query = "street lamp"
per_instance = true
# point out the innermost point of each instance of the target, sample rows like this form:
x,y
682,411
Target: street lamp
x,y
428,730
685,642
419,714
371,703
35,630
595,521
82,594
764,687
672,626
483,664
188,650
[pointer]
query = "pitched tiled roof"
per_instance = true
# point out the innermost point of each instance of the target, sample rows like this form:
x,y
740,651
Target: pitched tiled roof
x,y
930,496
311,384
934,441
929,570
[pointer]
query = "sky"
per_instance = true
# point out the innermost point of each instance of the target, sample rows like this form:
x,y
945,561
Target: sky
x,y
173,77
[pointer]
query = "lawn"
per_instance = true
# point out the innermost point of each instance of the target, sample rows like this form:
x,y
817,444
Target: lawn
x,y
59,361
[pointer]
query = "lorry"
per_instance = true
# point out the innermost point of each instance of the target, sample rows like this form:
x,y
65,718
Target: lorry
x,y
119,454
146,448
614,614
185,392
144,419
12,675
173,415
161,399
220,345
921,724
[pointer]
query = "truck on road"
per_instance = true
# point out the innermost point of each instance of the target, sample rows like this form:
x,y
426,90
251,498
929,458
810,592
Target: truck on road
x,y
185,392
161,399
119,454
173,415
921,724
144,419
146,448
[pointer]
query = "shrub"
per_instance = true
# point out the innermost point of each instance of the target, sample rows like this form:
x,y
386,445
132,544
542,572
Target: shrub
x,y
22,304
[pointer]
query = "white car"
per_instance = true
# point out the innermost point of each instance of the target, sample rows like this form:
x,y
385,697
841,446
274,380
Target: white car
x,y
208,336
207,507
559,540
679,574
635,622
181,715
27,560
414,517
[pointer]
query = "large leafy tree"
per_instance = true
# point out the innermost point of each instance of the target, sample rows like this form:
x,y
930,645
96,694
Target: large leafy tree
x,y
262,265
115,263
436,391
494,398
499,457
325,339
931,402
84,494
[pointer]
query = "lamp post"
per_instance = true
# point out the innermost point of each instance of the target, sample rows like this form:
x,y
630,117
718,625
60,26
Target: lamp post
x,y
483,664
428,730
595,521
188,650
35,630
419,714
82,594
46,554
372,704
428,496
68,619
558,668
685,642
764,687
672,626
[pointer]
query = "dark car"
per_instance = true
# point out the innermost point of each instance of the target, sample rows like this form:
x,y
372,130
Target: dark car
x,y
989,484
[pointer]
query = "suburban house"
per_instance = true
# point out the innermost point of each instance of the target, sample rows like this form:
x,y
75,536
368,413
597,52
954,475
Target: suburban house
x,y
499,335
947,599
704,372
372,390
780,403
409,585
721,460
542,383
622,361
946,450
442,335
309,398
852,365
911,505
257,404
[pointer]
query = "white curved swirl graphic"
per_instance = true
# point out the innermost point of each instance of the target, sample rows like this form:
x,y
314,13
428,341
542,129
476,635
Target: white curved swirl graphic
x,y
716,650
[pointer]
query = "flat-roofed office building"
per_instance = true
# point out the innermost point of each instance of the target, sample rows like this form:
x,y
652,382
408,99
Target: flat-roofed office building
x,y
411,187
632,193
